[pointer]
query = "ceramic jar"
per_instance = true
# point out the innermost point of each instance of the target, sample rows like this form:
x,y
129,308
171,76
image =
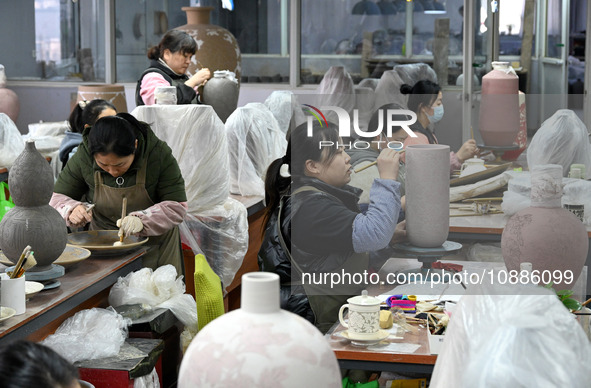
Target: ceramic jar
x,y
545,234
9,102
427,194
32,221
472,166
115,94
499,108
259,345
217,48
221,92
364,316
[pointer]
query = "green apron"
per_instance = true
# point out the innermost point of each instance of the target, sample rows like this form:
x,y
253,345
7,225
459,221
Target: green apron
x,y
164,249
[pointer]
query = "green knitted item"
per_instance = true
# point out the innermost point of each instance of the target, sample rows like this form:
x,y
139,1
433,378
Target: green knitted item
x,y
208,292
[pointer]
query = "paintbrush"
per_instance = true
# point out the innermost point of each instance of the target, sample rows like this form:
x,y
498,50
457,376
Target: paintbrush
x,y
20,260
28,263
123,214
374,163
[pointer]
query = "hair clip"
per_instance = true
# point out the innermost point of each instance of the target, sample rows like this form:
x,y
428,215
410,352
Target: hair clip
x,y
284,170
82,104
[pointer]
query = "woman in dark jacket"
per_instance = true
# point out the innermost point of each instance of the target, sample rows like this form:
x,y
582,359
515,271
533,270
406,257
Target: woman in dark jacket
x,y
169,62
313,227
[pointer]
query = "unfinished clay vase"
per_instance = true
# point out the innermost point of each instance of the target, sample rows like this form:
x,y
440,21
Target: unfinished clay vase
x,y
221,92
217,48
271,347
9,102
499,108
545,234
32,221
427,194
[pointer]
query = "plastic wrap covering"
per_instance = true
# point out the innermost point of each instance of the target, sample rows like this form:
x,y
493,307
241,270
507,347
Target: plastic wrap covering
x,y
221,234
255,141
48,139
286,108
516,339
89,335
336,89
369,83
11,141
158,289
364,101
198,141
388,89
562,139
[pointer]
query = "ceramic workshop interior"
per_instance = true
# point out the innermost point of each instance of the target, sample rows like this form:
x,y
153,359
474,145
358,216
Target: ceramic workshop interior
x,y
490,274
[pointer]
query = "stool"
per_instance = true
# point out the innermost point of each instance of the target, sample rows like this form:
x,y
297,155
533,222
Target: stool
x,y
119,372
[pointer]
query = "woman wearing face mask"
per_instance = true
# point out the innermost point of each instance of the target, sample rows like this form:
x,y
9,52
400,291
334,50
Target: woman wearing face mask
x,y
425,100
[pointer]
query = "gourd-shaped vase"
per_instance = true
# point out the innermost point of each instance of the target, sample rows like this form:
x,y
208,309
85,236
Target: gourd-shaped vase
x,y
32,221
221,92
499,108
217,48
259,345
546,235
9,102
427,194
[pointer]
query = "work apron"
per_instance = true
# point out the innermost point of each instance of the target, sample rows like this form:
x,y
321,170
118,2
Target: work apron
x,y
164,249
326,299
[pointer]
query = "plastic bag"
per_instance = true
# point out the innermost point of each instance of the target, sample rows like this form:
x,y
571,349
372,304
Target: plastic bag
x,y
159,289
11,141
336,89
198,141
58,128
89,335
254,141
286,108
5,203
148,381
221,234
562,139
388,89
508,336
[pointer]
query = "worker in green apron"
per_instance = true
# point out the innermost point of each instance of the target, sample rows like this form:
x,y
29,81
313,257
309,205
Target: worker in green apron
x,y
121,157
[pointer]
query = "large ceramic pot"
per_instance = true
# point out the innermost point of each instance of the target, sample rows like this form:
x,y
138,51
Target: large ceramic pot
x,y
259,345
427,194
32,221
217,48
221,92
9,102
115,94
544,234
499,108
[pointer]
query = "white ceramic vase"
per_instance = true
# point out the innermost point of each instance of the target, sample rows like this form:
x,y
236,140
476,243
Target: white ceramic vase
x,y
427,194
259,345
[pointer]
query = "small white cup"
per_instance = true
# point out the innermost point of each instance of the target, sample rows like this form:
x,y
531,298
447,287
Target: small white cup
x,y
472,166
364,317
165,95
13,293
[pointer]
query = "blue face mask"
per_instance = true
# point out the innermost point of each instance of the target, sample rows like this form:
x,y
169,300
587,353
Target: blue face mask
x,y
437,114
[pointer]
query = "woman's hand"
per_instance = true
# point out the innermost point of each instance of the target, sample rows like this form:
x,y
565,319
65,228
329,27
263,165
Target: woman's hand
x,y
399,233
80,216
388,162
199,78
467,150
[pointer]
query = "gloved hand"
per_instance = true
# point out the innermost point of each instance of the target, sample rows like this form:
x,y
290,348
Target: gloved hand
x,y
130,225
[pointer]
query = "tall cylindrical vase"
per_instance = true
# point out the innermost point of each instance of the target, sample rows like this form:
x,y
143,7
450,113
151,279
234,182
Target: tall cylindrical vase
x,y
549,237
427,194
32,221
259,345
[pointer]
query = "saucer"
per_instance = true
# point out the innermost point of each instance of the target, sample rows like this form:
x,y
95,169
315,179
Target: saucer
x,y
379,337
6,312
31,288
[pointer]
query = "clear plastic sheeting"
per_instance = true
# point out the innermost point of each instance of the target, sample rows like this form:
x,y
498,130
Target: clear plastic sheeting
x,y
160,288
150,380
336,89
512,336
219,234
388,89
11,141
198,141
286,108
89,335
254,140
371,83
562,139
364,101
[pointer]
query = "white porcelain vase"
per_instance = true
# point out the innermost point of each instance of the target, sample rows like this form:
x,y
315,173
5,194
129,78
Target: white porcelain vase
x,y
427,194
259,345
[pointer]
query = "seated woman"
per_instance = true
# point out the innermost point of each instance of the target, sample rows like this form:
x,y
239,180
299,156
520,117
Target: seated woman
x,y
361,157
84,114
313,226
169,62
425,100
121,157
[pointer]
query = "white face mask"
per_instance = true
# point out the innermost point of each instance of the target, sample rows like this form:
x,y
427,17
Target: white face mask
x,y
437,114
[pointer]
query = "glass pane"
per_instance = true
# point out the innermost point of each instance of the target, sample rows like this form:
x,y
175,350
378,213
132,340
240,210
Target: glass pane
x,y
260,27
554,43
57,48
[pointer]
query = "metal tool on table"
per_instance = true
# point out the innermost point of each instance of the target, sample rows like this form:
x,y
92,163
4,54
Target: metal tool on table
x,y
478,207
